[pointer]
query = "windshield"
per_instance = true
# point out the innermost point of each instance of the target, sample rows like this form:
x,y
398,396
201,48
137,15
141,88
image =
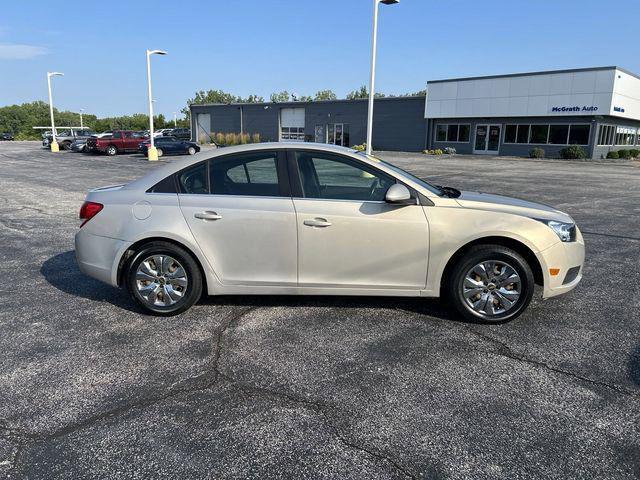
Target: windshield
x,y
404,173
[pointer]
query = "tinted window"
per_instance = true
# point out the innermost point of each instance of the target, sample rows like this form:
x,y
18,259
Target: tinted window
x,y
194,180
452,135
539,133
579,135
558,134
252,174
463,136
523,134
117,135
340,178
441,133
168,185
510,133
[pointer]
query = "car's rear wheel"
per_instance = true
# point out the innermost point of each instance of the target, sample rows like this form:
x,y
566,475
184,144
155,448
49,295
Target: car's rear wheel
x,y
490,284
160,152
164,278
191,150
66,145
112,150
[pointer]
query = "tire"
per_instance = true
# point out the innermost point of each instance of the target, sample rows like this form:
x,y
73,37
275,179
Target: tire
x,y
494,296
66,145
158,299
191,150
160,152
112,150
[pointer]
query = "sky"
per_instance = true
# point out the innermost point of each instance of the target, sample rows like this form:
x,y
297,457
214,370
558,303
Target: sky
x,y
302,46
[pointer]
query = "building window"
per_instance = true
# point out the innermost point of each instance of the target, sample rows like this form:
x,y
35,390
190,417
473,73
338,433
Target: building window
x,y
294,134
552,134
625,136
606,135
558,134
579,134
453,133
338,134
539,134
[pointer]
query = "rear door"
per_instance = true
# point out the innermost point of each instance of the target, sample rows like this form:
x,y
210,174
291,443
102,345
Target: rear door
x,y
348,236
240,211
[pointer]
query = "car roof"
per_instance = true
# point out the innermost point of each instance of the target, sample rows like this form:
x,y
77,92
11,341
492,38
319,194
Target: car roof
x,y
150,179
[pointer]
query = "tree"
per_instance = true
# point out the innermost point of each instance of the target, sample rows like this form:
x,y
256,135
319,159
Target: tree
x,y
254,99
280,97
325,95
362,92
304,98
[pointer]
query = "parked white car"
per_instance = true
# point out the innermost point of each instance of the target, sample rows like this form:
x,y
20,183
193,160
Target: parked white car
x,y
310,219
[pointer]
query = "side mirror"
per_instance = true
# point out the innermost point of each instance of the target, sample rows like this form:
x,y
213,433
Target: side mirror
x,y
398,194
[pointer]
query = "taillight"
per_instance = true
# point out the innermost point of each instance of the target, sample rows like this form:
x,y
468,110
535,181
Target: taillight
x,y
89,210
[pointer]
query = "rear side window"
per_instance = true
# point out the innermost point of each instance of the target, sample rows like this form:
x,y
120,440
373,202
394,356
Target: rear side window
x,y
168,185
253,174
194,180
117,135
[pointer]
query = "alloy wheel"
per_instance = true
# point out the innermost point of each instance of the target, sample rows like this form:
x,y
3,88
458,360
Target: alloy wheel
x,y
161,281
491,288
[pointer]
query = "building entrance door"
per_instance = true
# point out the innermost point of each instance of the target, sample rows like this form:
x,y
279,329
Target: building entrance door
x,y
487,140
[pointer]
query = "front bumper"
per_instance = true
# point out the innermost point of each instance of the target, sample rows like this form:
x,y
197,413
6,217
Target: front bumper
x,y
566,257
98,256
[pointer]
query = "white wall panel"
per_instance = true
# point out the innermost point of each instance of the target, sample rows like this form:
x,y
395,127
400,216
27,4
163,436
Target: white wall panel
x,y
553,94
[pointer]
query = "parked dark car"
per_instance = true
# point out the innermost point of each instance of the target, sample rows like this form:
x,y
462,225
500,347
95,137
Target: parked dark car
x,y
6,136
78,145
170,145
181,133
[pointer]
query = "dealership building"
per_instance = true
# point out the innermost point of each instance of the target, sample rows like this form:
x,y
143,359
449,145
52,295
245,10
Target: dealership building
x,y
596,108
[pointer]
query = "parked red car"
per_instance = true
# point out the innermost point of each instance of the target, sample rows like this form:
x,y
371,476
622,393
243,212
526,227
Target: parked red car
x,y
118,142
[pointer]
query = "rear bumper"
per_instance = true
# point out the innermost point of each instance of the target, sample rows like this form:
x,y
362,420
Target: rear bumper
x,y
98,256
567,257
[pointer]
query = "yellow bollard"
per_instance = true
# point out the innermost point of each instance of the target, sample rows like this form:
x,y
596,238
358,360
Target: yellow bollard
x,y
152,154
54,146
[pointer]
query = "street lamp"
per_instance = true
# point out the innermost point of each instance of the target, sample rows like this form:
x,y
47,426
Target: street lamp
x,y
175,120
81,110
54,142
152,153
372,78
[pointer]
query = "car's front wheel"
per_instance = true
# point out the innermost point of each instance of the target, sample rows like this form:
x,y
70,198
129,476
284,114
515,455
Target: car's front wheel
x,y
490,284
160,152
164,278
191,150
112,150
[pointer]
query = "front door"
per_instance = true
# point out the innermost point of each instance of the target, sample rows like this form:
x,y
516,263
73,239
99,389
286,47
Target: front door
x,y
487,140
240,212
348,236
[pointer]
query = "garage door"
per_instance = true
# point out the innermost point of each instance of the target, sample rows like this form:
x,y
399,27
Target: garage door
x,y
292,124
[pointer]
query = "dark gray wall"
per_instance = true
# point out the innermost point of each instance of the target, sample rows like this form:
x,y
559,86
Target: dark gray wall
x,y
516,150
399,123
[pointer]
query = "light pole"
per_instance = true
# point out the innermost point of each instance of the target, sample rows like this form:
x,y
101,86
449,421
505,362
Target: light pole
x,y
81,125
372,78
152,153
54,141
175,120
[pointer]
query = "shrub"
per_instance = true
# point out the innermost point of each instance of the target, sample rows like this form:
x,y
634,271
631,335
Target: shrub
x,y
572,152
634,153
229,139
255,138
613,154
624,153
219,138
360,148
437,151
450,151
536,153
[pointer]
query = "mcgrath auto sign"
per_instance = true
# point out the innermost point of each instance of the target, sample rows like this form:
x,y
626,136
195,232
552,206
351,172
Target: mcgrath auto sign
x,y
585,108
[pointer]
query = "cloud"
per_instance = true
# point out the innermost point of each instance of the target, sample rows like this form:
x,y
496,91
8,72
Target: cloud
x,y
16,51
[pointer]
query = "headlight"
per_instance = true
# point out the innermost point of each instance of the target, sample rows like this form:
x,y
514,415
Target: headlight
x,y
565,231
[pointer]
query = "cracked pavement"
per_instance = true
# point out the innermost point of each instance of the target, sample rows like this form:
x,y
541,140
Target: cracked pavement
x,y
315,387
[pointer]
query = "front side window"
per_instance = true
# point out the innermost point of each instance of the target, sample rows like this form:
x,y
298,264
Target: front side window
x,y
251,174
334,177
117,135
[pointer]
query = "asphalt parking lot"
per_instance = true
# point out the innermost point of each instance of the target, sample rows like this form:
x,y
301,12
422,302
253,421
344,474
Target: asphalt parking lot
x,y
321,387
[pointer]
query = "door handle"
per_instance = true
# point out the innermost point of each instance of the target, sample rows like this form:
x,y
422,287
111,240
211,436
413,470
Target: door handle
x,y
207,215
317,222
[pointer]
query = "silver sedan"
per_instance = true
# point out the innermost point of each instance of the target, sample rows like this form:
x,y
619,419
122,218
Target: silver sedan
x,y
309,219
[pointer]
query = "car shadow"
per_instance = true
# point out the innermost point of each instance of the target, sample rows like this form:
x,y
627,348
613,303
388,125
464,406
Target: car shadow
x,y
63,273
